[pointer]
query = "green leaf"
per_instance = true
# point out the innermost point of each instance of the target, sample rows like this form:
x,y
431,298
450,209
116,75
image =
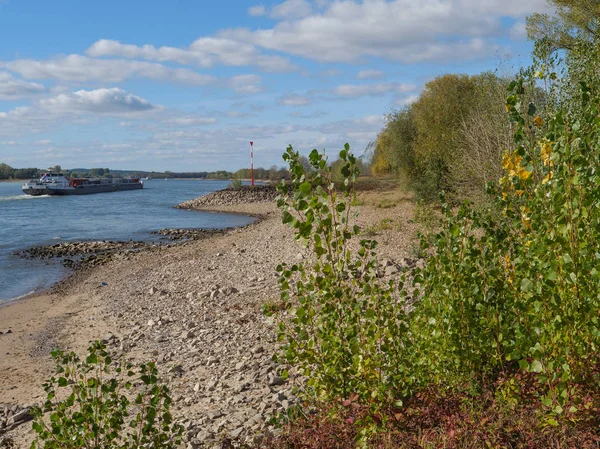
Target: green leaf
x,y
526,285
287,217
536,366
305,188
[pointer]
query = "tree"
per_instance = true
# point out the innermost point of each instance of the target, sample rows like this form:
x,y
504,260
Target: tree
x,y
95,172
574,21
485,134
6,171
394,147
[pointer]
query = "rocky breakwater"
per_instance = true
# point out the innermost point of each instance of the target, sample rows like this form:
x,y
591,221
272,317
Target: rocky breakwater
x,y
190,234
79,254
228,197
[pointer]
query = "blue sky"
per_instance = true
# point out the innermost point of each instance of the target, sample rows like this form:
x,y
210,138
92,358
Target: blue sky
x,y
184,85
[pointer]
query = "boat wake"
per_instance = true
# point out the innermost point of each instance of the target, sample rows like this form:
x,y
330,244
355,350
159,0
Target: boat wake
x,y
22,197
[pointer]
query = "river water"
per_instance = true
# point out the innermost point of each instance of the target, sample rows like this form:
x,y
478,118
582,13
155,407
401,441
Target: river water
x,y
27,221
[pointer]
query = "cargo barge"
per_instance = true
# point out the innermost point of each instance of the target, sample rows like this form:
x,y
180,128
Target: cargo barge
x,y
58,184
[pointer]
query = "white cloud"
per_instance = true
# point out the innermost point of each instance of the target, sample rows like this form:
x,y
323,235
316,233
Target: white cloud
x,y
357,90
12,88
203,52
291,9
518,31
295,100
405,101
258,10
191,121
315,114
82,68
369,74
99,101
400,30
80,108
246,84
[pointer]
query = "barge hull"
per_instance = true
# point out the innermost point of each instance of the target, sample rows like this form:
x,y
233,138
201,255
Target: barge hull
x,y
94,188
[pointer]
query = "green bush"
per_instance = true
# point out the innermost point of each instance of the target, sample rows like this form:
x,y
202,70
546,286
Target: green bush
x,y
508,293
90,408
518,291
343,327
235,184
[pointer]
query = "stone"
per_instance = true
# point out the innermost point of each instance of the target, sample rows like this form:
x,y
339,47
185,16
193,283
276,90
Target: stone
x,y
152,291
187,334
274,380
240,366
176,369
235,434
391,269
214,414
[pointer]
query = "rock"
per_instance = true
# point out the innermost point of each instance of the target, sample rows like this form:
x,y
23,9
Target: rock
x,y
176,369
187,334
235,434
152,291
386,263
150,323
197,388
274,380
240,366
391,269
214,414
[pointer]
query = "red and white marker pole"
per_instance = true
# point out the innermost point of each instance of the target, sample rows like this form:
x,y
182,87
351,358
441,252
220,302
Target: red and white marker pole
x,y
251,164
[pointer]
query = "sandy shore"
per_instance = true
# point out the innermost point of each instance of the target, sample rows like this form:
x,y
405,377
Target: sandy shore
x,y
195,309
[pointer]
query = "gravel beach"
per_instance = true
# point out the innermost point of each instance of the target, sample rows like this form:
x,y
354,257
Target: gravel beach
x,y
195,308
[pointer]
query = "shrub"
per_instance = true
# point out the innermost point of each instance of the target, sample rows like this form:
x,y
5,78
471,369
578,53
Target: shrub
x,y
508,292
89,408
235,184
518,291
343,327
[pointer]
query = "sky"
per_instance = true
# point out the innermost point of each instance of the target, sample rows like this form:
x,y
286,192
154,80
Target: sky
x,y
185,85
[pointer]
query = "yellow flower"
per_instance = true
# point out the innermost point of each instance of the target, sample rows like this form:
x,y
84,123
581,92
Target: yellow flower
x,y
538,121
520,192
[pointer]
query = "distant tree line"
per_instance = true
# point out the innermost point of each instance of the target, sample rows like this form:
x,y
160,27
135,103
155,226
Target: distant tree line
x,y
274,173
